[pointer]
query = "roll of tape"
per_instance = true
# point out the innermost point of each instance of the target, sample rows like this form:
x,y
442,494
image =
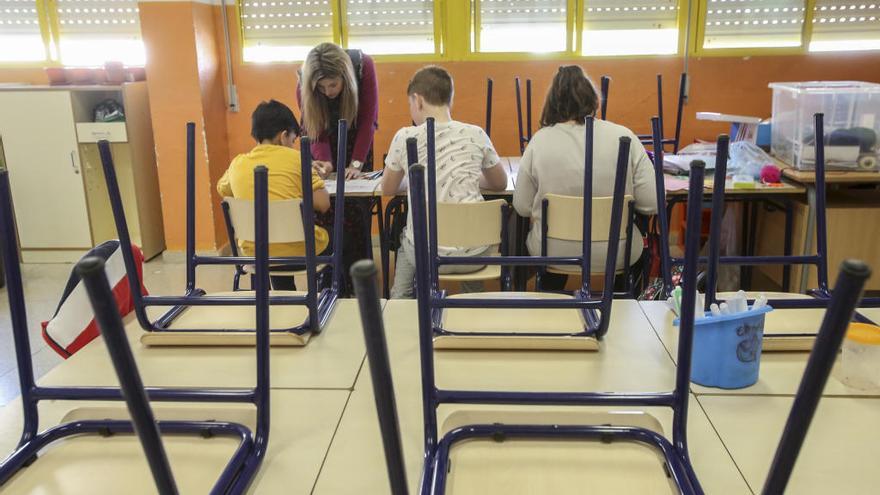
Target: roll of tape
x,y
868,162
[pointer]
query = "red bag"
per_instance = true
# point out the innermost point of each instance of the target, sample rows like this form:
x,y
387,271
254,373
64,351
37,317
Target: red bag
x,y
73,325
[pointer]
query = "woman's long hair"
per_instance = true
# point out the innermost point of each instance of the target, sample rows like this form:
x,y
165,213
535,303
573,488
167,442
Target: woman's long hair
x,y
327,61
572,96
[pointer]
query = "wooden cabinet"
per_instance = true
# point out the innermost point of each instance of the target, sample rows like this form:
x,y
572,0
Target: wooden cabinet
x,y
853,219
61,203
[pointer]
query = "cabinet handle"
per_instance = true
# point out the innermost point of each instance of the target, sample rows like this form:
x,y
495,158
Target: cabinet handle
x,y
73,163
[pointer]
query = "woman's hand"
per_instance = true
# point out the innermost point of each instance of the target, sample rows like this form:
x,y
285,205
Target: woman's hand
x,y
322,168
352,173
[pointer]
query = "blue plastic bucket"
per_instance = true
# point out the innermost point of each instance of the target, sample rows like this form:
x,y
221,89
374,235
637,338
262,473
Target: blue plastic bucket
x,y
727,349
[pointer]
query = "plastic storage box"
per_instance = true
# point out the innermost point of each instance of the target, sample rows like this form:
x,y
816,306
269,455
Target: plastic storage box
x,y
852,123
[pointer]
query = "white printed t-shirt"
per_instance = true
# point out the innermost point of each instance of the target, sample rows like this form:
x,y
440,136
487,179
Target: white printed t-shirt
x,y
462,152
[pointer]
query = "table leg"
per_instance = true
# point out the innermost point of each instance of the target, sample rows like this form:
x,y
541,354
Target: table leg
x,y
808,235
520,230
383,245
391,209
786,269
752,238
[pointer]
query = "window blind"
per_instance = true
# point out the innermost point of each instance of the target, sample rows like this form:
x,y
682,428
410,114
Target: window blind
x,y
20,38
284,30
753,23
630,14
630,27
522,25
91,32
98,19
19,17
391,26
846,25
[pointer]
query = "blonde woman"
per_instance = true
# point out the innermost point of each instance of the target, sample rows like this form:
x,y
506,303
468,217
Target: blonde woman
x,y
341,84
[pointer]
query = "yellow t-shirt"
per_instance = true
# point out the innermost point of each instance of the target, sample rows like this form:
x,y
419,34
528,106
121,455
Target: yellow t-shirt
x,y
285,182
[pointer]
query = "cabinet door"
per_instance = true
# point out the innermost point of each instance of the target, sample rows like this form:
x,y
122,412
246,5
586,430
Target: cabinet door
x,y
39,138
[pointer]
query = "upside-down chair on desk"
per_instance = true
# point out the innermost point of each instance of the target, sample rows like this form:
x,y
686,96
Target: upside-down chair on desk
x,y
247,457
437,448
782,332
223,319
515,320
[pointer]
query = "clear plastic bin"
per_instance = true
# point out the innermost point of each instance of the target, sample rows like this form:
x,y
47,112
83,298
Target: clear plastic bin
x,y
860,359
852,123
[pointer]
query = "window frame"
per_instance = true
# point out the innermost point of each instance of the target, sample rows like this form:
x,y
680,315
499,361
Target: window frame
x,y
50,31
699,28
44,17
339,9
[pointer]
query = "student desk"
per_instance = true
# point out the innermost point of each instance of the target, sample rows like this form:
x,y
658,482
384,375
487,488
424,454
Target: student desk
x,y
676,192
302,426
331,360
781,372
631,359
838,456
872,314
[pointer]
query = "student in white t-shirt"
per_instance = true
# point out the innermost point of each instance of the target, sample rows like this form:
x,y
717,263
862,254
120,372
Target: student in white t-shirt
x,y
554,163
466,161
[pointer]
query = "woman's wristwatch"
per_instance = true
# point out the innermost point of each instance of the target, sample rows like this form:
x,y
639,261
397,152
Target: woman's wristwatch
x,y
356,164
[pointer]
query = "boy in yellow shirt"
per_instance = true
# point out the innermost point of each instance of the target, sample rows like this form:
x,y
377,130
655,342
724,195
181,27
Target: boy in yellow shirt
x,y
275,129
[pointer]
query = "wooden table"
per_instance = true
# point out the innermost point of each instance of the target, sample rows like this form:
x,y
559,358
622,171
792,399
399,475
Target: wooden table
x,y
838,456
631,359
327,441
303,423
872,314
781,372
331,360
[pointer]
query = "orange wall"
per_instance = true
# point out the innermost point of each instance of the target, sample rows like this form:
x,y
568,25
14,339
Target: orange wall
x,y
24,76
186,77
209,47
722,84
182,76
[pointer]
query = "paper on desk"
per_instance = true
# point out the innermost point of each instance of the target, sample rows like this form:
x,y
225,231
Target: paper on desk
x,y
354,185
682,163
673,184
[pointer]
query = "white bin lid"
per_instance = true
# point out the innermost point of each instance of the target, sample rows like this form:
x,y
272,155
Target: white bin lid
x,y
827,86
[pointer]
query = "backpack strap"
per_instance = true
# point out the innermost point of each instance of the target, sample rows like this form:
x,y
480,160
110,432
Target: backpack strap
x,y
357,60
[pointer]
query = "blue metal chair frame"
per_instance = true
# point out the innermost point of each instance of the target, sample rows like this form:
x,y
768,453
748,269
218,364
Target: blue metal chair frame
x,y
596,312
437,448
320,304
717,204
489,87
821,295
245,461
682,95
523,139
605,84
850,283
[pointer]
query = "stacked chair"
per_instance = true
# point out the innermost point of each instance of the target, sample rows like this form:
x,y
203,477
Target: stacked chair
x,y
222,319
517,320
239,472
675,451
